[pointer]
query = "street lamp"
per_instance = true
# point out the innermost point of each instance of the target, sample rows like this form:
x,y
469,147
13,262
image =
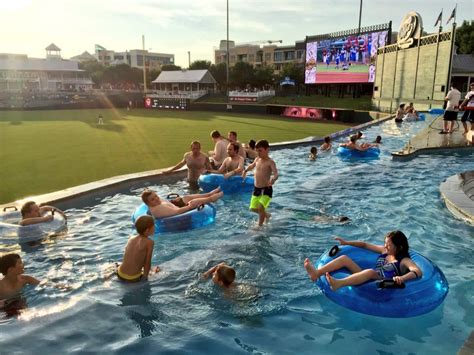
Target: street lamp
x,y
360,16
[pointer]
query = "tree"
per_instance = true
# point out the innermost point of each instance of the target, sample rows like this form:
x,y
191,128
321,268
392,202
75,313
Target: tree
x,y
219,73
200,64
170,67
151,75
94,69
242,74
263,76
465,38
294,71
123,74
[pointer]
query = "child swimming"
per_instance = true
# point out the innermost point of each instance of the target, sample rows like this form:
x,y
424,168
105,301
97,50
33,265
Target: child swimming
x,y
11,266
313,153
222,275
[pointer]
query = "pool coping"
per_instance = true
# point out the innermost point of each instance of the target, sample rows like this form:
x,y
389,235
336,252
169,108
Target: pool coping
x,y
456,199
433,146
63,198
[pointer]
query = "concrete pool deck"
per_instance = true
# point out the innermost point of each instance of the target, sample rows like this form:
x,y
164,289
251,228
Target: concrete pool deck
x,y
457,191
430,141
94,191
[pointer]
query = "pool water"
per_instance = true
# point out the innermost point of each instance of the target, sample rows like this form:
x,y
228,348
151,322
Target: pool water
x,y
277,309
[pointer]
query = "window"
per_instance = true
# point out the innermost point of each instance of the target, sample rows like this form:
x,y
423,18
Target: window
x,y
290,55
278,56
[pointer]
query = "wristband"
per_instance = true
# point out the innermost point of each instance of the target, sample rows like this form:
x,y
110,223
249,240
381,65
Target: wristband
x,y
416,274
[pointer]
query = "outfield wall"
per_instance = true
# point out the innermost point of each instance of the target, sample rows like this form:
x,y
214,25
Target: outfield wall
x,y
419,74
338,115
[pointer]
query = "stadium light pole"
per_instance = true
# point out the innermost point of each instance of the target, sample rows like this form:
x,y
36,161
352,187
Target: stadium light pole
x,y
144,64
360,15
227,53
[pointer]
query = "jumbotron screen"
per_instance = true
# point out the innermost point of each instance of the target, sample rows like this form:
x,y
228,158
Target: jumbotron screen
x,y
349,59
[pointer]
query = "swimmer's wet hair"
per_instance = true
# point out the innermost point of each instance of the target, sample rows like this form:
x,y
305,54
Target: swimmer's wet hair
x,y
327,139
7,261
143,223
226,275
26,208
262,144
313,150
252,144
195,143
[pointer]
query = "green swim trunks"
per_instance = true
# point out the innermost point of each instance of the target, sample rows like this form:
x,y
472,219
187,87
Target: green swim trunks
x,y
262,196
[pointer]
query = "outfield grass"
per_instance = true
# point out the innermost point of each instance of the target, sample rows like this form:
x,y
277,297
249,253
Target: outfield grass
x,y
45,151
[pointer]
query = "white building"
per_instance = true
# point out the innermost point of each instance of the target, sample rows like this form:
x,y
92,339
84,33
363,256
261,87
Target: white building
x,y
134,58
191,84
19,73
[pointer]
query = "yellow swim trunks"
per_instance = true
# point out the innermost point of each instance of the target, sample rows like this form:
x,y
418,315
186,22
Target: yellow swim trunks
x,y
262,196
129,278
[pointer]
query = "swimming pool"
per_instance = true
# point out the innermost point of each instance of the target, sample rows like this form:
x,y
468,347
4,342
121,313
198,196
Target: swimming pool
x,y
280,310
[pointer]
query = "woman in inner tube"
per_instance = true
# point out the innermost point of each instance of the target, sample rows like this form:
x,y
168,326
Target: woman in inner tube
x,y
394,263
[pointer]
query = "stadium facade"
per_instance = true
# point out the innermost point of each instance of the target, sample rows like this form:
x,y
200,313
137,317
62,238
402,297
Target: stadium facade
x,y
258,55
18,73
136,58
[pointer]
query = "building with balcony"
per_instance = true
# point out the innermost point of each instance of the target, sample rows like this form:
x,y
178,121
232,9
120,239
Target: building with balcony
x,y
257,54
135,58
18,73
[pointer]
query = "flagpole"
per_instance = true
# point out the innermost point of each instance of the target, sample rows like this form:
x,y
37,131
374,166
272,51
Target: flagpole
x,y
455,12
441,22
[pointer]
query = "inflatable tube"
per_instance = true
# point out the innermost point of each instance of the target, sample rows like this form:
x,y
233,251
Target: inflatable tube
x,y
199,217
371,153
12,233
233,184
436,111
420,296
421,117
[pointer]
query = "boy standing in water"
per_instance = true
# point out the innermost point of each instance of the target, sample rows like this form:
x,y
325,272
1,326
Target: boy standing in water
x,y
136,262
266,174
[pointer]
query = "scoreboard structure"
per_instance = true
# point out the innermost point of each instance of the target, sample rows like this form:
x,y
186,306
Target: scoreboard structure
x,y
167,103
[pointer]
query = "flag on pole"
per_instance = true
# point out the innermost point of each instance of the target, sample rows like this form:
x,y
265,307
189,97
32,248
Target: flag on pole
x,y
440,17
453,15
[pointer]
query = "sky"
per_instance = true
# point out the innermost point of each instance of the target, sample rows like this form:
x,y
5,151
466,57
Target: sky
x,y
197,26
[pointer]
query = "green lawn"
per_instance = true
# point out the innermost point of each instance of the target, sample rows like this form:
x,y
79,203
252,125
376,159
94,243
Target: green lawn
x,y
45,151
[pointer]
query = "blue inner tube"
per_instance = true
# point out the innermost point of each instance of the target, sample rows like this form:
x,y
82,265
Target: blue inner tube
x,y
420,296
233,184
371,153
436,111
12,233
421,117
196,218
